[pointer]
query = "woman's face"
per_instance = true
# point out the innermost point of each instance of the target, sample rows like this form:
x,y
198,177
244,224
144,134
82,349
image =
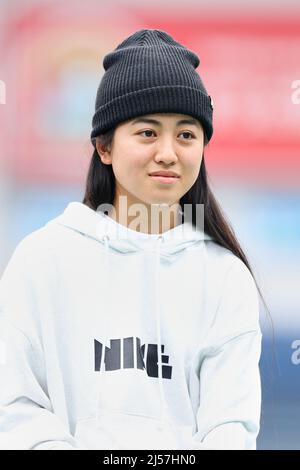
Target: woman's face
x,y
140,148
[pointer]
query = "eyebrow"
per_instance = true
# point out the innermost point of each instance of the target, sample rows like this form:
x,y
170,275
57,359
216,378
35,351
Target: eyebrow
x,y
145,120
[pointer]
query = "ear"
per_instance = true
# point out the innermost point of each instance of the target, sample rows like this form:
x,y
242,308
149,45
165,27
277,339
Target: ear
x,y
104,153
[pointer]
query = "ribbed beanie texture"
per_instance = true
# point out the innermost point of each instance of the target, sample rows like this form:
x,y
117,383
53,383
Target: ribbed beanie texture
x,y
149,72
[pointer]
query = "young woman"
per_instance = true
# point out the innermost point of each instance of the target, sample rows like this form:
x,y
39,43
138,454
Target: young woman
x,y
131,320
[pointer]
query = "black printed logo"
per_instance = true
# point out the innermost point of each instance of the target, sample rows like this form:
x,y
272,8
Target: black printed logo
x,y
112,357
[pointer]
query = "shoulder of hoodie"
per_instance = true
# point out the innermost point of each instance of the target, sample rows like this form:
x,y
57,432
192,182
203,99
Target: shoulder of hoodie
x,y
39,245
30,248
44,240
237,298
234,285
230,265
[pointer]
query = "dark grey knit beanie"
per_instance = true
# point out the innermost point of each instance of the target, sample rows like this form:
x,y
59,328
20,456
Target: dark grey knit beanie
x,y
149,72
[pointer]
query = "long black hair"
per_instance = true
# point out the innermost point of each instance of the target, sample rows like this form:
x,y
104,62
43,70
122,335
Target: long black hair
x,y
100,189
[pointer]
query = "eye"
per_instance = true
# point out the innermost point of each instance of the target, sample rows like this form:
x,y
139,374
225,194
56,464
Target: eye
x,y
189,133
184,132
147,130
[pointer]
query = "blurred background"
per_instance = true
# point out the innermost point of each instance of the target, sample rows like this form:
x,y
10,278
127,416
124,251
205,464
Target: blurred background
x,y
51,56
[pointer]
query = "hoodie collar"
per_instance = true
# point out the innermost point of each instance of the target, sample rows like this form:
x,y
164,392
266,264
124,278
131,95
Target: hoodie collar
x,y
97,225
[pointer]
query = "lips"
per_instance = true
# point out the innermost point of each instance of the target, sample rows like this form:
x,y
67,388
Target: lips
x,y
170,174
164,179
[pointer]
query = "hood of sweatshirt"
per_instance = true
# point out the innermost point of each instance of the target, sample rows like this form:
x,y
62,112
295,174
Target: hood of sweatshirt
x,y
115,237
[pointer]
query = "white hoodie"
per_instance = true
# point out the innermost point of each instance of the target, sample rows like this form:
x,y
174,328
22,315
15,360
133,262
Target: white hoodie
x,y
116,339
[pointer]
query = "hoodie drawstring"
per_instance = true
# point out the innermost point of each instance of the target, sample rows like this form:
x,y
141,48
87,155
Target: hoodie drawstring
x,y
164,415
102,374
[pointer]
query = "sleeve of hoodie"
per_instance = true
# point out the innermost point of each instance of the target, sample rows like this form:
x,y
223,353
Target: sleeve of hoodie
x,y
228,416
27,420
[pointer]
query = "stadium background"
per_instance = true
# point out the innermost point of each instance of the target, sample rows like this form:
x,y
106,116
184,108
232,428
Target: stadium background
x,y
50,65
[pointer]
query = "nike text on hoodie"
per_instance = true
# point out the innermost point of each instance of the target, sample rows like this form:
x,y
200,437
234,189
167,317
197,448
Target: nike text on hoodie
x,y
116,339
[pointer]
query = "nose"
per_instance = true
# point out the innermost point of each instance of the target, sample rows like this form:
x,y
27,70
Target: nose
x,y
166,152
